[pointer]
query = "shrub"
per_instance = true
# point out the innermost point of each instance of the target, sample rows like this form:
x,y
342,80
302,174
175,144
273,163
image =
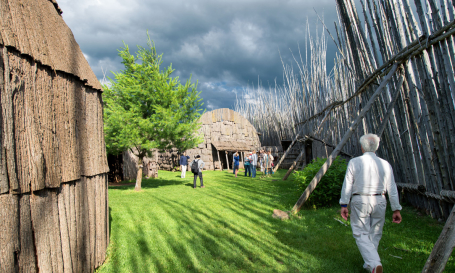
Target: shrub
x,y
328,190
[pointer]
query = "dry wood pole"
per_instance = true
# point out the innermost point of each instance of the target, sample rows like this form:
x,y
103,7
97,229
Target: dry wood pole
x,y
291,169
286,153
442,248
390,107
337,150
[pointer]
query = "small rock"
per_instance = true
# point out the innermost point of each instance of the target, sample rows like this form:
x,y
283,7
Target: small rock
x,y
279,214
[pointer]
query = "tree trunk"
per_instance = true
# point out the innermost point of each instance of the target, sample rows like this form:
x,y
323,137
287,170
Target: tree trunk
x,y
139,174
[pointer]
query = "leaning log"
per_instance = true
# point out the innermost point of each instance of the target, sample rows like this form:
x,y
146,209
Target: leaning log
x,y
448,196
346,137
286,153
291,169
414,188
442,248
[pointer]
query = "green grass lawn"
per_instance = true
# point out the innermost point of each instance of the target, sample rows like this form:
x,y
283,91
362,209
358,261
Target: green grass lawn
x,y
228,227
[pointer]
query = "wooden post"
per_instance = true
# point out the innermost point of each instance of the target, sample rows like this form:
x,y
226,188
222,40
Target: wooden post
x,y
442,248
291,169
219,160
227,160
286,153
346,137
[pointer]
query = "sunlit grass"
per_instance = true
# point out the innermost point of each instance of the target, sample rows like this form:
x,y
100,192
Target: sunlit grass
x,y
228,227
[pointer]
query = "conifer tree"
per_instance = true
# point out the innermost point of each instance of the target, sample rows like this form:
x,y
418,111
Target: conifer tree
x,y
145,108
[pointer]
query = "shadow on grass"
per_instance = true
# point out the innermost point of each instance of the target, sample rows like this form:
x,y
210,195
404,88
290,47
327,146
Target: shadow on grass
x,y
151,183
206,239
230,228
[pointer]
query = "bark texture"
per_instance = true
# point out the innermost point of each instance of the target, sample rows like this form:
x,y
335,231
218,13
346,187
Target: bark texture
x,y
53,165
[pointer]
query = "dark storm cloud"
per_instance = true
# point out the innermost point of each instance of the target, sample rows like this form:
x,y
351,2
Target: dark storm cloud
x,y
225,45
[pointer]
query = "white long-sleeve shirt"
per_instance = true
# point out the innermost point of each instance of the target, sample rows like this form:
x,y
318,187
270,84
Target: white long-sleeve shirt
x,y
254,159
369,174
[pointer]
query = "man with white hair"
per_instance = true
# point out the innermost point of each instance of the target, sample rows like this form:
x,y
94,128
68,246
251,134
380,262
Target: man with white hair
x,y
367,179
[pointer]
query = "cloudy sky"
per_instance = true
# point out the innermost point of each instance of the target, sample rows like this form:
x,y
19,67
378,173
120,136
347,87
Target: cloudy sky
x,y
225,45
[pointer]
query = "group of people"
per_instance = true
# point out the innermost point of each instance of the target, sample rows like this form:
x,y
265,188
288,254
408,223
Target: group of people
x,y
251,162
368,178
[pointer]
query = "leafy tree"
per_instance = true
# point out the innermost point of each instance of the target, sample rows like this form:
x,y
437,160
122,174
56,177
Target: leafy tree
x,y
145,108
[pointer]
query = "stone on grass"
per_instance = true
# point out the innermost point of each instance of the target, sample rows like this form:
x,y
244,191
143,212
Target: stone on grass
x,y
279,214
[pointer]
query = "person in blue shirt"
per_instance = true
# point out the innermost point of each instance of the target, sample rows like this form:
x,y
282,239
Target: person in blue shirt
x,y
233,169
248,165
236,163
184,164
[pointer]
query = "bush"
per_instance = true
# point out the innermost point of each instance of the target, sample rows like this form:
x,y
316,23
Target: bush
x,y
328,190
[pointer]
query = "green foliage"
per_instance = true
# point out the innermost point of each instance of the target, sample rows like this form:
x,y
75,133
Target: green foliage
x,y
146,108
328,190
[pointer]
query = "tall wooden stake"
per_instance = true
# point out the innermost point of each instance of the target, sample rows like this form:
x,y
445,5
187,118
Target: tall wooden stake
x,y
286,153
343,141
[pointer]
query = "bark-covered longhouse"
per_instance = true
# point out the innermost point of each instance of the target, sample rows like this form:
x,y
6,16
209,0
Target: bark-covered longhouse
x,y
53,167
223,131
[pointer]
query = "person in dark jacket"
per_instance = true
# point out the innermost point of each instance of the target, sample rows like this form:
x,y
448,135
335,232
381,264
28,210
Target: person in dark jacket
x,y
236,163
200,166
184,163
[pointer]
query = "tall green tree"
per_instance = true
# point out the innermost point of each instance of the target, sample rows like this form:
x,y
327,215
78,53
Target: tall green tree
x,y
145,108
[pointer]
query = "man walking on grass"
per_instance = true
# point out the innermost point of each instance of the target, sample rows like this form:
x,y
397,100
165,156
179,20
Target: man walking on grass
x,y
368,178
197,171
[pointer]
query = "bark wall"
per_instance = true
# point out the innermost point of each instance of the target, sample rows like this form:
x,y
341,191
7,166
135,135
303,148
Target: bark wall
x,y
53,181
53,169
64,229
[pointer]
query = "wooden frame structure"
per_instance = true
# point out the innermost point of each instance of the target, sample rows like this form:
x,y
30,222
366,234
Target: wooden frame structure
x,y
415,114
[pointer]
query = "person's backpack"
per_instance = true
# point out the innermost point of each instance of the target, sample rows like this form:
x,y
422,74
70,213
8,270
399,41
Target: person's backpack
x,y
194,168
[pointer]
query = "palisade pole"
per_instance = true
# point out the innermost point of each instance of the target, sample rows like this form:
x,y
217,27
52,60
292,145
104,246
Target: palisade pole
x,y
346,137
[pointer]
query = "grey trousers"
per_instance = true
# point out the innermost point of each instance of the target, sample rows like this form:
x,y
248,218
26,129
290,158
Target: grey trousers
x,y
367,221
200,178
